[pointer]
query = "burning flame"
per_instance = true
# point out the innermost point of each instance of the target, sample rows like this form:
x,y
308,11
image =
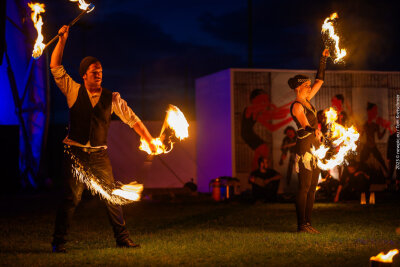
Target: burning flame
x,y
39,46
329,29
160,147
176,121
130,191
344,138
117,195
388,258
83,5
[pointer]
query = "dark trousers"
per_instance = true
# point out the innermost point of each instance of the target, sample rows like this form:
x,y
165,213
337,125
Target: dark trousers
x,y
305,197
267,192
99,165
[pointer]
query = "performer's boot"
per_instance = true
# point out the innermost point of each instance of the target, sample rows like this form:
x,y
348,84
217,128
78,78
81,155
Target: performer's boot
x,y
303,228
315,231
127,243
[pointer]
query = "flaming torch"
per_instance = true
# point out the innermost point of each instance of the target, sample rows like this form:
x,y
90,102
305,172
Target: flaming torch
x,y
341,137
86,9
331,38
37,20
383,259
39,46
175,126
84,6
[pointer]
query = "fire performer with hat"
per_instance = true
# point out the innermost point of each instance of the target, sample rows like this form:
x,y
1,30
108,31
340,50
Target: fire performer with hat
x,y
90,108
308,135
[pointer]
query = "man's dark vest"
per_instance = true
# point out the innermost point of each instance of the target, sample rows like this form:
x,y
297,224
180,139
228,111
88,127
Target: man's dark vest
x,y
87,123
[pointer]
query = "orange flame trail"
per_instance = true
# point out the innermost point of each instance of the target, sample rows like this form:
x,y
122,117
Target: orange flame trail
x,y
329,29
388,258
39,46
344,138
131,191
120,195
176,121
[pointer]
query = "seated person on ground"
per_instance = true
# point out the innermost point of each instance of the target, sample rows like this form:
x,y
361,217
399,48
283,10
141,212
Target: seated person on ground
x,y
264,181
354,181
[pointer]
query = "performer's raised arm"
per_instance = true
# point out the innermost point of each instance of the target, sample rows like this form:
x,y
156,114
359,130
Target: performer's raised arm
x,y
56,56
66,84
320,77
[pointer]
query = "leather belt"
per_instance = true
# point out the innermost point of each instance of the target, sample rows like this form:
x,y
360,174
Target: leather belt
x,y
88,149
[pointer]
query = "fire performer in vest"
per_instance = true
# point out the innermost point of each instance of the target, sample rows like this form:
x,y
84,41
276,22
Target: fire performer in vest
x,y
308,135
90,108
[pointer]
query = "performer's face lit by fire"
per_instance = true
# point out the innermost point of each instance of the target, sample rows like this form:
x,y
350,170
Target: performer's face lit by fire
x,y
93,76
304,89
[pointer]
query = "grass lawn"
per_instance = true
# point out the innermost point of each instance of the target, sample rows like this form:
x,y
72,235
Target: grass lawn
x,y
199,233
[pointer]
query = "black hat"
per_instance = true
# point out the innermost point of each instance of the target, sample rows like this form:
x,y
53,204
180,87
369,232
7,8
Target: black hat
x,y
85,63
298,80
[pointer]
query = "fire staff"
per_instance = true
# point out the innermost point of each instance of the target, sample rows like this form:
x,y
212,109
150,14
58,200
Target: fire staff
x,y
308,135
90,108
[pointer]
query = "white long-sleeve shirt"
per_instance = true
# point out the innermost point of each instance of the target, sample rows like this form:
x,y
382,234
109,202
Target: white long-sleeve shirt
x,y
70,89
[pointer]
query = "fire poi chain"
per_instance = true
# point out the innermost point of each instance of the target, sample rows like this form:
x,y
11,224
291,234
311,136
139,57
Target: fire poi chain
x,y
174,120
331,38
343,138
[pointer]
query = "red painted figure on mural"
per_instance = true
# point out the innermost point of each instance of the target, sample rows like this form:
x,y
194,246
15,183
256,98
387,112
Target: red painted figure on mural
x,y
263,111
337,102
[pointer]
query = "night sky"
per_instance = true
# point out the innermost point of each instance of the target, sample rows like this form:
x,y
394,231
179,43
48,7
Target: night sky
x,y
152,51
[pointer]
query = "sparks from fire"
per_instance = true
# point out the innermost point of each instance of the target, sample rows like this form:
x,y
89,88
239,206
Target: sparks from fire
x,y
176,121
388,257
342,137
329,30
37,8
121,196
